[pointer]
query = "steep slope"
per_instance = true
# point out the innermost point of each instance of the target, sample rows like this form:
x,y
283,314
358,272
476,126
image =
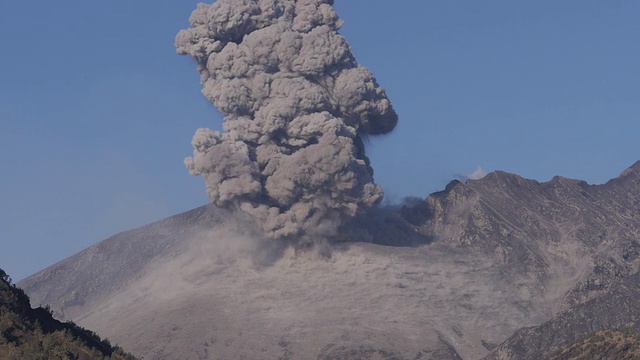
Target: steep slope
x,y
618,308
606,295
563,229
27,333
529,225
480,260
607,344
117,261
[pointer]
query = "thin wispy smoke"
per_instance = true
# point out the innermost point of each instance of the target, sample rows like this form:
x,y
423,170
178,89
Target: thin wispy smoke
x,y
478,174
296,105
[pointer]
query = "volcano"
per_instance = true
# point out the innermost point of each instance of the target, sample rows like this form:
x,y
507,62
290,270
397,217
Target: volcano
x,y
501,267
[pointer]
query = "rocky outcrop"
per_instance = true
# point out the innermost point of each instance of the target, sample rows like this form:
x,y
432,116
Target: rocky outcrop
x,y
618,308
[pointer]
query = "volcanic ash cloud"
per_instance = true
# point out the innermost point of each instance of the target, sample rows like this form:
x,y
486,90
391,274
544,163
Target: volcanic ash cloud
x,y
296,105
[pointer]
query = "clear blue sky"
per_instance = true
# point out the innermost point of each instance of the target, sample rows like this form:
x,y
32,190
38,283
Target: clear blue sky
x,y
97,111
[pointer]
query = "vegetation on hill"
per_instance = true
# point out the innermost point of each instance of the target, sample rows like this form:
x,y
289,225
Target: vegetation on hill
x,y
606,344
27,333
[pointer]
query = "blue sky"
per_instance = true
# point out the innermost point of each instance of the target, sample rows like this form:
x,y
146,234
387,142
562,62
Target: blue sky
x,y
97,111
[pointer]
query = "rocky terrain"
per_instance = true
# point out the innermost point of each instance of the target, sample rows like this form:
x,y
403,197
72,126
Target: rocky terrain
x,y
502,267
606,344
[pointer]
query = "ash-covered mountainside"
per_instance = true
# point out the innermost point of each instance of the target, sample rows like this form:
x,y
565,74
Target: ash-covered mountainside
x,y
618,308
535,229
502,267
116,261
538,228
527,225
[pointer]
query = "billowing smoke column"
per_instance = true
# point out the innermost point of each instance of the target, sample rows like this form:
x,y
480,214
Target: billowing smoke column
x,y
295,105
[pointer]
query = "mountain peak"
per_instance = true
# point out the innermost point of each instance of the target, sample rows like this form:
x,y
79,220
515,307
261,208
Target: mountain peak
x,y
632,170
499,178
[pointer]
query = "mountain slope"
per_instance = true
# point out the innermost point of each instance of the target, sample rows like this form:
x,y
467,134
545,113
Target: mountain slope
x,y
606,295
618,308
607,344
117,261
479,261
27,333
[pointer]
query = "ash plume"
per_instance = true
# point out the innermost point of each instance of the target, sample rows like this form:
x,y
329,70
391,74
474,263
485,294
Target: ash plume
x,y
296,105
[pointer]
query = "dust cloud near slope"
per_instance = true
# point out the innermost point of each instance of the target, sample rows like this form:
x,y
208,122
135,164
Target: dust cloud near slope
x,y
224,297
296,106
506,253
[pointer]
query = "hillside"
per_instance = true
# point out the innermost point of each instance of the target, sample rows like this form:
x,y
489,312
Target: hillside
x,y
502,267
606,344
27,333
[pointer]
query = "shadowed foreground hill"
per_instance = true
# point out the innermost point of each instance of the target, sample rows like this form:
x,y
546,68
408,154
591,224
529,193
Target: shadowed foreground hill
x,y
502,267
27,333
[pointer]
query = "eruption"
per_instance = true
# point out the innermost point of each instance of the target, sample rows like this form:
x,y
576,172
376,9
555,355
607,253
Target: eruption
x,y
296,105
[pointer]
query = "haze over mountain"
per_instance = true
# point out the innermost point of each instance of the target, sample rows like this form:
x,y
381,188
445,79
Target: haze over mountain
x,y
296,258
502,267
